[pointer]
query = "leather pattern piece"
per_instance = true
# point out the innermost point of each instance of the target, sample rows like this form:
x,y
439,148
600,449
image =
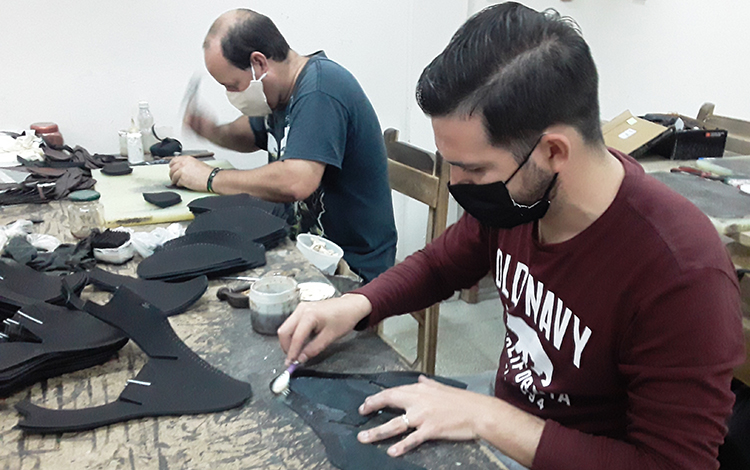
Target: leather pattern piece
x,y
163,199
181,262
175,381
117,169
48,340
329,402
21,285
254,223
209,203
171,298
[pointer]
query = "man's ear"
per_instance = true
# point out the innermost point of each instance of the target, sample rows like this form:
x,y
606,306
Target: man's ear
x,y
259,62
555,148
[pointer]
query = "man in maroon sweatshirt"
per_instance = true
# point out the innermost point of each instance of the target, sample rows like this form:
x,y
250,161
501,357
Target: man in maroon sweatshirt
x,y
621,304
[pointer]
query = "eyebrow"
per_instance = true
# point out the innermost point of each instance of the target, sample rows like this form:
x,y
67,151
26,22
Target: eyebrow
x,y
463,166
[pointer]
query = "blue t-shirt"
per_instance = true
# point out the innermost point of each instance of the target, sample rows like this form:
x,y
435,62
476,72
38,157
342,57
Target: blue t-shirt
x,y
330,120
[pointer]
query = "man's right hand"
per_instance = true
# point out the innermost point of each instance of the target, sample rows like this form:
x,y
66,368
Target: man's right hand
x,y
314,325
201,123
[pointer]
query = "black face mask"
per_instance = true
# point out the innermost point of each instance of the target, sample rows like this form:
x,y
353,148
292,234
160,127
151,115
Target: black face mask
x,y
492,204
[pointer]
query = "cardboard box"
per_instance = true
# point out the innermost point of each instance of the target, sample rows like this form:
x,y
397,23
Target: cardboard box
x,y
632,135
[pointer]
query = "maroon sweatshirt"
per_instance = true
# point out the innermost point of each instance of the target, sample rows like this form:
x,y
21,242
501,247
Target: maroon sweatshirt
x,y
622,338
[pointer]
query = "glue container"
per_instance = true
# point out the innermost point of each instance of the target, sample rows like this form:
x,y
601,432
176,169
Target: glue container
x,y
272,299
135,145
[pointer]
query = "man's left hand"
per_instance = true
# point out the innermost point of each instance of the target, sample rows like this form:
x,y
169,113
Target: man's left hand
x,y
437,411
189,173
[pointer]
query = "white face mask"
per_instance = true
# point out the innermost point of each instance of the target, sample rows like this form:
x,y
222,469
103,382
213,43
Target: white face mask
x,y
252,100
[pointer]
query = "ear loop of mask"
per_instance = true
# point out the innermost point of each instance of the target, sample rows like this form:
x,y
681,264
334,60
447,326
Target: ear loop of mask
x,y
261,77
526,159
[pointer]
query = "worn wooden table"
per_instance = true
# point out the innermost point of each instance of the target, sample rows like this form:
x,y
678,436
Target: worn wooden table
x,y
262,434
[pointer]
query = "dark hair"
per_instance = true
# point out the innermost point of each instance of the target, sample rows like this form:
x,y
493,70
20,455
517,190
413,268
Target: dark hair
x,y
252,32
522,70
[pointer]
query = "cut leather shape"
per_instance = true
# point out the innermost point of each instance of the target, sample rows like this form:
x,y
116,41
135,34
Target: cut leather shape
x,y
250,250
21,285
254,223
209,203
187,261
171,298
174,381
329,402
117,169
61,341
163,199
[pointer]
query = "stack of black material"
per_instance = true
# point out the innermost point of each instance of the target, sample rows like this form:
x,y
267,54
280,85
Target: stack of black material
x,y
40,340
43,340
174,381
229,234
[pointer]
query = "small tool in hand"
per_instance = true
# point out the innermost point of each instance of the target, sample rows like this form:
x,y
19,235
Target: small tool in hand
x,y
280,385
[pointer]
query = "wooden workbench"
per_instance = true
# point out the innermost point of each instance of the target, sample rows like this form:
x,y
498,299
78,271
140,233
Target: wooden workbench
x,y
262,434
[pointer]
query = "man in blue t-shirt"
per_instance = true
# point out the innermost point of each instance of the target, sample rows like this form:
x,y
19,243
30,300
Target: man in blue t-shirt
x,y
325,148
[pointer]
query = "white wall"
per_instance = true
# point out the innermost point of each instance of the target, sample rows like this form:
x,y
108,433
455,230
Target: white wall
x,y
86,64
664,55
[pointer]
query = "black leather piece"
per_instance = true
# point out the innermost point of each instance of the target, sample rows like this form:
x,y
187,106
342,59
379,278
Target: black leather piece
x,y
209,203
254,223
117,169
175,380
68,340
163,199
188,261
329,402
171,298
21,285
251,251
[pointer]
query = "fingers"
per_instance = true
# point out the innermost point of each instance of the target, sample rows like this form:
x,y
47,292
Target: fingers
x,y
304,328
387,398
394,427
409,442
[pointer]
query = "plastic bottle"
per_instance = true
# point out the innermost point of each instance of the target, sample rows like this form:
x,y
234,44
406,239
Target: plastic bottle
x,y
135,145
146,124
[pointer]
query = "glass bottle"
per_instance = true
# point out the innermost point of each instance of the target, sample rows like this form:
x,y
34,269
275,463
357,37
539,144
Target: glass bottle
x,y
84,212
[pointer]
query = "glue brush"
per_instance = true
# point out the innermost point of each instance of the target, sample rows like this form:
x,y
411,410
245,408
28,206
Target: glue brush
x,y
280,385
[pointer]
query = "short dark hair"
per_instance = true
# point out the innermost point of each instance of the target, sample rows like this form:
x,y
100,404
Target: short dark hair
x,y
522,70
252,32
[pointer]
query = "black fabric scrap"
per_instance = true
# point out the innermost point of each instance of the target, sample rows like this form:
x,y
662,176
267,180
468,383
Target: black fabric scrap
x,y
109,238
66,257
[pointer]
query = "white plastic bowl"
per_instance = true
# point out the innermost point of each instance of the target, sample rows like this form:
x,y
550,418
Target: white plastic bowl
x,y
322,253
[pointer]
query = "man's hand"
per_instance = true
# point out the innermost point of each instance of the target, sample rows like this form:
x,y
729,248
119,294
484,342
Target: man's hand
x,y
320,323
189,173
201,123
437,411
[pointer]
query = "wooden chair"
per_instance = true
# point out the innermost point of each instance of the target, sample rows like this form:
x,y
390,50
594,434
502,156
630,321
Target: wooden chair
x,y
421,175
738,131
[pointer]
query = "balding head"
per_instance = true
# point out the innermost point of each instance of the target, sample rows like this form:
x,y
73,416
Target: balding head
x,y
239,33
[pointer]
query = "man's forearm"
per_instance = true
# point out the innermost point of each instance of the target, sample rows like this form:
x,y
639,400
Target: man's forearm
x,y
515,432
236,135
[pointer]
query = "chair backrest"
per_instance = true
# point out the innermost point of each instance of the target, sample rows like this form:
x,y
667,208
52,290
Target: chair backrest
x,y
738,131
420,175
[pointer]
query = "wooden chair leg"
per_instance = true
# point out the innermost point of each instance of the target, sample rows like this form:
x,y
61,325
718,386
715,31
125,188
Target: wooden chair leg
x,y
428,337
470,296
